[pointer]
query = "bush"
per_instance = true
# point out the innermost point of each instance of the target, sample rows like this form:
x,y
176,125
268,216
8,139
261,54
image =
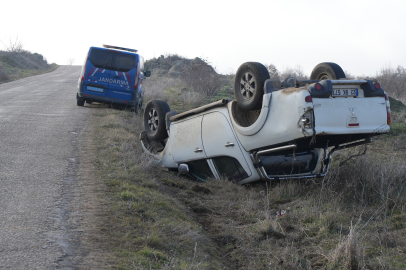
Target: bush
x,y
202,78
393,81
3,76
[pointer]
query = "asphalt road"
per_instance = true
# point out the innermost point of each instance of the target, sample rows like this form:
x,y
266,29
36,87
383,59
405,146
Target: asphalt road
x,y
40,131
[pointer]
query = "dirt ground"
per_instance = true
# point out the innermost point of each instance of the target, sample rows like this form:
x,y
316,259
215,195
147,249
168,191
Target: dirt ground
x,y
94,207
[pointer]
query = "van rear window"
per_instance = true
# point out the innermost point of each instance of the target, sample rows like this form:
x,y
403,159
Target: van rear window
x,y
112,60
123,62
100,58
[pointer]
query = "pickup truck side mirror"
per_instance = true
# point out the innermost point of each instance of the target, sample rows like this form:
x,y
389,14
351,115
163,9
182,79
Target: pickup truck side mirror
x,y
147,73
183,168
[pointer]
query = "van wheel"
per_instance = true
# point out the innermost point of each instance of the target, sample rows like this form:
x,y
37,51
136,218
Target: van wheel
x,y
249,85
327,71
138,107
154,120
80,102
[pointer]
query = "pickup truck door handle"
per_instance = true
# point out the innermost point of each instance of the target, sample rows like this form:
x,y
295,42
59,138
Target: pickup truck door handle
x,y
116,77
228,144
198,150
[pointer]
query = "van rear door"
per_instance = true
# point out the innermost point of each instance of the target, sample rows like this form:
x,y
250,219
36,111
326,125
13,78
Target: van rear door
x,y
123,75
96,77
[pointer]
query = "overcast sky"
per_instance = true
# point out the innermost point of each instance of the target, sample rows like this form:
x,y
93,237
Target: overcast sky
x,y
361,36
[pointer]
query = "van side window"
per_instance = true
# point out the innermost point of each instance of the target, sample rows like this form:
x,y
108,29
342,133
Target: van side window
x,y
200,169
230,168
141,63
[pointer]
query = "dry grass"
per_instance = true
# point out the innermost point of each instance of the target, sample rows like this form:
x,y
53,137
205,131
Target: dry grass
x,y
353,219
175,92
17,65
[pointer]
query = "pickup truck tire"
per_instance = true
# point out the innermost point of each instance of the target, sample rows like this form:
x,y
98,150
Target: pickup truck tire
x,y
154,120
249,85
327,71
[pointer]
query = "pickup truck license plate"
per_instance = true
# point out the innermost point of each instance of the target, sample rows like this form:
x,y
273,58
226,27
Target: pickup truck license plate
x,y
345,93
95,89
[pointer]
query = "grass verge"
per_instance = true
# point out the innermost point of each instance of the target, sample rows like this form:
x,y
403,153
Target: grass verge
x,y
353,219
18,65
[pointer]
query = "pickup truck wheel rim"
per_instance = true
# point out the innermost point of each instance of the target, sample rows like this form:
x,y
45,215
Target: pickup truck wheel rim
x,y
248,86
153,120
324,77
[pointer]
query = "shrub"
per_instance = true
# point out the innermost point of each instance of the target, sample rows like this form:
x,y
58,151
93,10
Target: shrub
x,y
201,77
393,81
3,76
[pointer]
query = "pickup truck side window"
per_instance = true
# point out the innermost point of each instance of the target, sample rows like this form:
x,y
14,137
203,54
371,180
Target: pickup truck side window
x,y
200,169
230,168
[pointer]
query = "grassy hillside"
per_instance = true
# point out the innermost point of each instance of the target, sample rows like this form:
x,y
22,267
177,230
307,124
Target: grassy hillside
x,y
355,218
17,65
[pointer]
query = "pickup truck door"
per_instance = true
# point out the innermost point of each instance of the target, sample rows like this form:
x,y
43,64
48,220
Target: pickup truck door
x,y
219,139
186,137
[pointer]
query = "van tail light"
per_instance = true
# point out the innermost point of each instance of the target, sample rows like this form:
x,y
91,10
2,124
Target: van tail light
x,y
388,115
136,76
82,75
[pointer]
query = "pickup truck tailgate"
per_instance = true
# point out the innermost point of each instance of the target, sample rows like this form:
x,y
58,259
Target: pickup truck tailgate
x,y
350,115
353,113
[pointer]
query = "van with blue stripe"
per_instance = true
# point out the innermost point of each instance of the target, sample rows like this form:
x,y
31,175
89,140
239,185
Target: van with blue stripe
x,y
112,75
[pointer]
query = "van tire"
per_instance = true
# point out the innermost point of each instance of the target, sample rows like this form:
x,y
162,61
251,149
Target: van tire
x,y
80,102
327,71
138,108
154,120
249,85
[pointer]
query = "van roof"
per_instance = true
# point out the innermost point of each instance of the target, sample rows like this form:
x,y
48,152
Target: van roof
x,y
119,48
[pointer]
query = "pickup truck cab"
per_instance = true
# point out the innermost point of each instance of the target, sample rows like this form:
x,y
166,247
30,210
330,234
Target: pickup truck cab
x,y
291,133
112,75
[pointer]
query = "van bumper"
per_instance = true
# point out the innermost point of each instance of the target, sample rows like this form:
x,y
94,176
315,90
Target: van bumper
x,y
107,100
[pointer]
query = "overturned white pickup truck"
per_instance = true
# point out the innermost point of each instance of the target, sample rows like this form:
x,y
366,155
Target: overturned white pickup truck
x,y
274,130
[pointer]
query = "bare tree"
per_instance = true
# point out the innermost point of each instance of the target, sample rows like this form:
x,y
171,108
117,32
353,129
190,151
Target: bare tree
x,y
349,76
273,71
393,80
15,45
71,61
296,72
